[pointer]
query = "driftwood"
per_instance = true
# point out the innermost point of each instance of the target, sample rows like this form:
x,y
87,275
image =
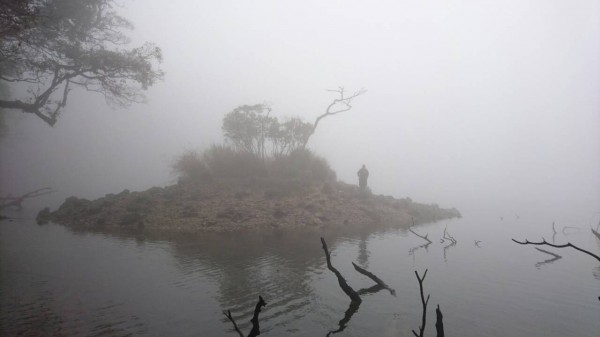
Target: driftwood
x,y
555,257
568,244
255,324
17,202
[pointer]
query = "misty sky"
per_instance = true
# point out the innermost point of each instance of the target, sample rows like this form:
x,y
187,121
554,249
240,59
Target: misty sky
x,y
472,104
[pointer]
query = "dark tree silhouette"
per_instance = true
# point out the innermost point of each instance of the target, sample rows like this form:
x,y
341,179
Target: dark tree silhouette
x,y
341,104
48,47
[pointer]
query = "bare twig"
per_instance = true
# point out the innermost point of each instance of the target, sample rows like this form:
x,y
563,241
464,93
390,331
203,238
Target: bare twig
x,y
424,303
255,325
338,105
375,279
477,242
228,315
354,297
568,244
447,236
421,236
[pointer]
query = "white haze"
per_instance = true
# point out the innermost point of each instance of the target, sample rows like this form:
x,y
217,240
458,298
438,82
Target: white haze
x,y
489,105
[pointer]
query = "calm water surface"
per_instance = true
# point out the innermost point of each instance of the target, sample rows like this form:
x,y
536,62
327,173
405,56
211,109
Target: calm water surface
x,y
56,282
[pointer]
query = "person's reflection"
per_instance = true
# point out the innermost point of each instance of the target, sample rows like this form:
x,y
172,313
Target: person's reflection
x,y
363,253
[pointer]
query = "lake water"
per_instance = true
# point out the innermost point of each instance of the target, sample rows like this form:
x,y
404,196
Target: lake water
x,y
57,282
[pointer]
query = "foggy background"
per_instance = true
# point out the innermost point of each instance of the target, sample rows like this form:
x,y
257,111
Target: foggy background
x,y
479,105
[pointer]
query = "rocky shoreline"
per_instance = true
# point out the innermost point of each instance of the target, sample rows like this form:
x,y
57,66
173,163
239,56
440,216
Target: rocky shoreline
x,y
233,205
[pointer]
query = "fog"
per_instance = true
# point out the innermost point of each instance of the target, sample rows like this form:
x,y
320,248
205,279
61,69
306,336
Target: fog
x,y
479,105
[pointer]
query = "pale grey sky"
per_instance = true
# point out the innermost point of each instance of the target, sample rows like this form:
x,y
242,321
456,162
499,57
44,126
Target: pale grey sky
x,y
473,104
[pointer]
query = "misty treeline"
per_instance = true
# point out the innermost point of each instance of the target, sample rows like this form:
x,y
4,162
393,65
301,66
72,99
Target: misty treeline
x,y
50,47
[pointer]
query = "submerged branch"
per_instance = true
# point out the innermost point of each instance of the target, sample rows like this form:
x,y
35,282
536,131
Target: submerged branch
x,y
255,324
421,236
375,279
568,244
230,317
354,297
424,303
439,324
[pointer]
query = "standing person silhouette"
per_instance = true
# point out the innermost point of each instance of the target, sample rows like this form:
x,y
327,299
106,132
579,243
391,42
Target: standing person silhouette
x,y
363,175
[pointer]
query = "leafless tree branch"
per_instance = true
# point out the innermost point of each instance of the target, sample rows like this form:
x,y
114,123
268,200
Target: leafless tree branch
x,y
338,105
424,303
255,324
354,297
568,244
230,317
375,279
421,236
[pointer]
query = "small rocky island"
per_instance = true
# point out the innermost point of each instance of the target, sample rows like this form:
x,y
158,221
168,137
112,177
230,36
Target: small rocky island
x,y
224,191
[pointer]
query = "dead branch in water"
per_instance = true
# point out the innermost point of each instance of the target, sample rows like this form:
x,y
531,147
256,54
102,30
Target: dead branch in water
x,y
424,303
421,236
255,324
230,317
354,297
375,279
447,236
568,244
439,324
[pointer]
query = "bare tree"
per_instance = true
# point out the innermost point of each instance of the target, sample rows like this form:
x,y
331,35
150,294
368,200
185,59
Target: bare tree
x,y
341,104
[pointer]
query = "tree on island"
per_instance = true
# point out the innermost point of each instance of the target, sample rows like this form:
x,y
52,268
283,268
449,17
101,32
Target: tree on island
x,y
47,47
251,128
341,104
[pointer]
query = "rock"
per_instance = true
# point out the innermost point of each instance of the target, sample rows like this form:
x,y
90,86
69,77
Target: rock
x,y
43,216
